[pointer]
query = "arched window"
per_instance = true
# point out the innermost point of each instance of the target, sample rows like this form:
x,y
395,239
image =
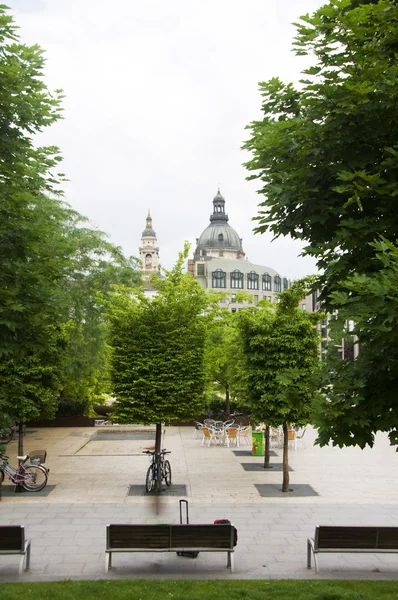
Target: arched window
x,y
267,282
237,280
277,284
219,279
220,237
252,281
285,283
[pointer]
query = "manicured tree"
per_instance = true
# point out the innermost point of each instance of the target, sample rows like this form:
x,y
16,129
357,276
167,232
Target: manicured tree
x,y
158,367
281,348
222,357
327,156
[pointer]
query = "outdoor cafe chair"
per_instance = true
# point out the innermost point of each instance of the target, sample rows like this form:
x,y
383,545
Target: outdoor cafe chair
x,y
211,434
198,428
232,434
299,437
245,433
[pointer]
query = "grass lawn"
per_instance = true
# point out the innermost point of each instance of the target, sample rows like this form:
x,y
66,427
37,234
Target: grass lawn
x,y
143,589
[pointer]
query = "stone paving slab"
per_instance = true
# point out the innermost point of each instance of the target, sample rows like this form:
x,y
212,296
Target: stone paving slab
x,y
67,528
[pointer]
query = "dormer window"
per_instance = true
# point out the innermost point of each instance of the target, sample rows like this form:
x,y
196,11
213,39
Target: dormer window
x,y
220,237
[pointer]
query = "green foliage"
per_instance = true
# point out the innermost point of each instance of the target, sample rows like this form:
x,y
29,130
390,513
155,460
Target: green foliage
x,y
51,325
158,348
327,157
327,153
281,350
70,408
360,395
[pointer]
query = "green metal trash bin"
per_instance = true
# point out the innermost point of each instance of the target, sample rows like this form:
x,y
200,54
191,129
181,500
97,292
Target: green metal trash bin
x,y
258,443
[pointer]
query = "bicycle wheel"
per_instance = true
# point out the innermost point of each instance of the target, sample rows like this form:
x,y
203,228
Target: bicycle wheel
x,y
149,480
1,477
35,478
6,435
167,472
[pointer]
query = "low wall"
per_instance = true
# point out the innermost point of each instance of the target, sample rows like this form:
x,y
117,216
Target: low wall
x,y
77,421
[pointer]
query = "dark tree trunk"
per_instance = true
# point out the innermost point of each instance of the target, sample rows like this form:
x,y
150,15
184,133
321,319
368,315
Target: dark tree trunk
x,y
18,487
158,438
285,482
227,401
20,439
267,464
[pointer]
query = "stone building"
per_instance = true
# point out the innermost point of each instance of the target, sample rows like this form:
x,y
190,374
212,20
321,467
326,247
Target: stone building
x,y
219,263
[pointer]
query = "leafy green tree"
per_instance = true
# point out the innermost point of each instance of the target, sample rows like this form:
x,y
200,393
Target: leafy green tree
x,y
281,349
158,344
327,156
223,361
95,266
31,233
51,267
360,396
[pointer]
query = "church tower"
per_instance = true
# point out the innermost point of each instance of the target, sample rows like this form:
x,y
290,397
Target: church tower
x,y
149,251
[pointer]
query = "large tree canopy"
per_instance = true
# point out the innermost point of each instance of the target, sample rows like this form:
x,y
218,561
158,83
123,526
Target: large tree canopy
x,y
327,152
327,155
51,265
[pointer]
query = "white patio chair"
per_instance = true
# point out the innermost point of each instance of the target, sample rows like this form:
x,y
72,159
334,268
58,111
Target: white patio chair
x,y
211,434
245,433
299,437
198,428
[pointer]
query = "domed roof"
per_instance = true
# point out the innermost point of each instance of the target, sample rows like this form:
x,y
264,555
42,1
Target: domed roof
x,y
219,235
148,231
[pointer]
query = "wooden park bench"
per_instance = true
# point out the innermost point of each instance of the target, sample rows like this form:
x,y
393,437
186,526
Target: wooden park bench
x,y
12,541
330,538
170,538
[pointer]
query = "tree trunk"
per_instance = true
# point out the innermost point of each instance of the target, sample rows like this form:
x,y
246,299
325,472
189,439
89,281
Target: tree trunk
x,y
158,438
18,487
227,401
285,483
20,439
266,449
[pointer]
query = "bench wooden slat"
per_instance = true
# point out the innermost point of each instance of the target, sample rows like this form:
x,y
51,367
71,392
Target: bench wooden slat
x,y
201,536
12,538
388,538
346,537
138,536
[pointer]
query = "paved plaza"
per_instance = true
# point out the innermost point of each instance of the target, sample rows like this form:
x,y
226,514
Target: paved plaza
x,y
96,479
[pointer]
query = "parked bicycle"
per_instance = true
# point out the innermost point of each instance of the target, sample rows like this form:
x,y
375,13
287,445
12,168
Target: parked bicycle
x,y
6,434
32,478
158,471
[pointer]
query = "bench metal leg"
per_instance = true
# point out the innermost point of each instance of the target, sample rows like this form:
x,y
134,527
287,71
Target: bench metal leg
x,y
27,550
108,561
20,566
230,561
309,553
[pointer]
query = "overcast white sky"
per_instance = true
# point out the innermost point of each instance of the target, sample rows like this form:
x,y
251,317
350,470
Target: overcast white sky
x,y
158,95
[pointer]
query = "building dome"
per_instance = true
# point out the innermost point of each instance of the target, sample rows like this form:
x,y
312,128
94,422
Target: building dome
x,y
148,231
218,236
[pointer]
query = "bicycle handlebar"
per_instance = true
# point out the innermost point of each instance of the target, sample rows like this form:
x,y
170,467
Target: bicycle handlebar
x,y
152,452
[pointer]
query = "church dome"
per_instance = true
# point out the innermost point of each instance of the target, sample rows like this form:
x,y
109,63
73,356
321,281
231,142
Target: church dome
x,y
218,236
148,231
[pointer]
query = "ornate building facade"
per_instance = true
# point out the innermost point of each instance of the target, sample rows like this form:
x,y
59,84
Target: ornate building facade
x,y
219,263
